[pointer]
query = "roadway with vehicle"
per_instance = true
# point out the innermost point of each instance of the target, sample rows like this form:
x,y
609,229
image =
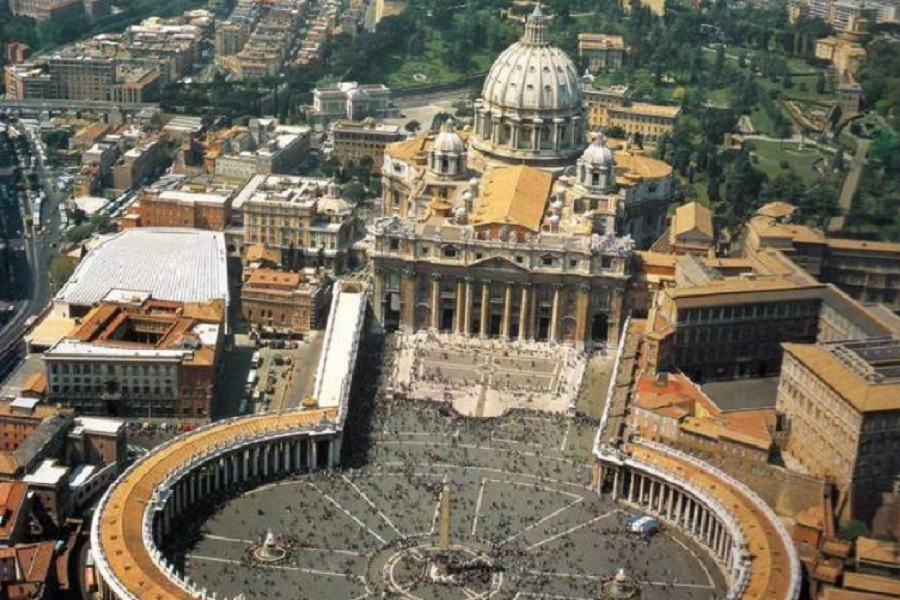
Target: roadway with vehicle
x,y
39,245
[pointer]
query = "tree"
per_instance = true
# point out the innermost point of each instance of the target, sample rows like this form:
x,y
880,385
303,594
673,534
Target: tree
x,y
439,119
61,269
820,83
354,192
21,29
412,126
615,132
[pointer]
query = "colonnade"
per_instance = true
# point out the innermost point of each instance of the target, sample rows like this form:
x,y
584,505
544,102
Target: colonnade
x,y
259,461
510,310
672,503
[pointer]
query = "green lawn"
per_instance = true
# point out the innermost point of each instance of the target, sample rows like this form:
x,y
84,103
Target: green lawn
x,y
401,68
771,154
761,121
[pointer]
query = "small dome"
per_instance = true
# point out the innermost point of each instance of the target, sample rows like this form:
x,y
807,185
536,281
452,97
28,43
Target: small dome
x,y
448,141
597,154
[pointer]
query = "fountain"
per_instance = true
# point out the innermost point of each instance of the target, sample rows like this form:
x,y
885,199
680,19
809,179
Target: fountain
x,y
270,551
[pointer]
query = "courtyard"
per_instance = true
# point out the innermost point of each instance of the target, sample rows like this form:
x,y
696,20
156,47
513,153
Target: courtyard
x,y
519,500
487,377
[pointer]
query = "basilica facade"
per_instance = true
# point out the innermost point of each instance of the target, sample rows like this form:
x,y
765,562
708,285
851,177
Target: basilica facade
x,y
518,226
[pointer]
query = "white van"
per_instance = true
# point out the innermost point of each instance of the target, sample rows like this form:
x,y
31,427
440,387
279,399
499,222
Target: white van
x,y
256,360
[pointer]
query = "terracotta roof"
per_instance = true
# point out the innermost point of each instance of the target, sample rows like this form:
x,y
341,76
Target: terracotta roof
x,y
8,464
872,550
872,583
270,277
410,149
122,516
692,217
765,227
634,165
863,396
12,500
515,196
832,593
847,244
770,570
777,210
258,252
737,287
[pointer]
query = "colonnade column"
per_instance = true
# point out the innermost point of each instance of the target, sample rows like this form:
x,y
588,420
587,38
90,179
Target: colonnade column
x,y
523,314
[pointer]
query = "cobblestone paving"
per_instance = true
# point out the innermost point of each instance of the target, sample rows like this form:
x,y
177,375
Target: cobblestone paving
x,y
518,497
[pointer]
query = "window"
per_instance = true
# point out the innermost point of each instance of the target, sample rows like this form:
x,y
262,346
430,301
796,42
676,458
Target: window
x,y
449,251
395,244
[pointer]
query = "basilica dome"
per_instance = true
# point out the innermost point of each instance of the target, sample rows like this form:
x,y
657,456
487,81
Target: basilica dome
x,y
530,110
532,74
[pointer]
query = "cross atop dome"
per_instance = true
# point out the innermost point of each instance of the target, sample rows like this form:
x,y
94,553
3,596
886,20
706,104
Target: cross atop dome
x,y
536,28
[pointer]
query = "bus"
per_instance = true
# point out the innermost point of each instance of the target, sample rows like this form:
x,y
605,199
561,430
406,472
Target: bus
x,y
252,378
256,360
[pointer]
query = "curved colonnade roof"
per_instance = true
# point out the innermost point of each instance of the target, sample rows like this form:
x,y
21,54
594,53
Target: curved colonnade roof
x,y
122,516
770,570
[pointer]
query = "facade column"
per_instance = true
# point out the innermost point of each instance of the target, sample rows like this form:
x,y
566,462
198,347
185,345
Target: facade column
x,y
613,318
615,488
313,454
631,487
378,295
643,486
468,313
495,130
460,307
523,315
554,315
485,308
435,302
671,504
507,311
407,301
582,314
536,135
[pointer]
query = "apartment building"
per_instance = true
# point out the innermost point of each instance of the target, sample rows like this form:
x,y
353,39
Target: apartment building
x,y
353,141
284,301
650,121
712,325
601,53
29,81
265,146
867,271
841,401
304,219
139,357
351,101
184,208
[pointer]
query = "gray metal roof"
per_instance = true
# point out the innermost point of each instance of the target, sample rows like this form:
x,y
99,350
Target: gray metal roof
x,y
180,265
